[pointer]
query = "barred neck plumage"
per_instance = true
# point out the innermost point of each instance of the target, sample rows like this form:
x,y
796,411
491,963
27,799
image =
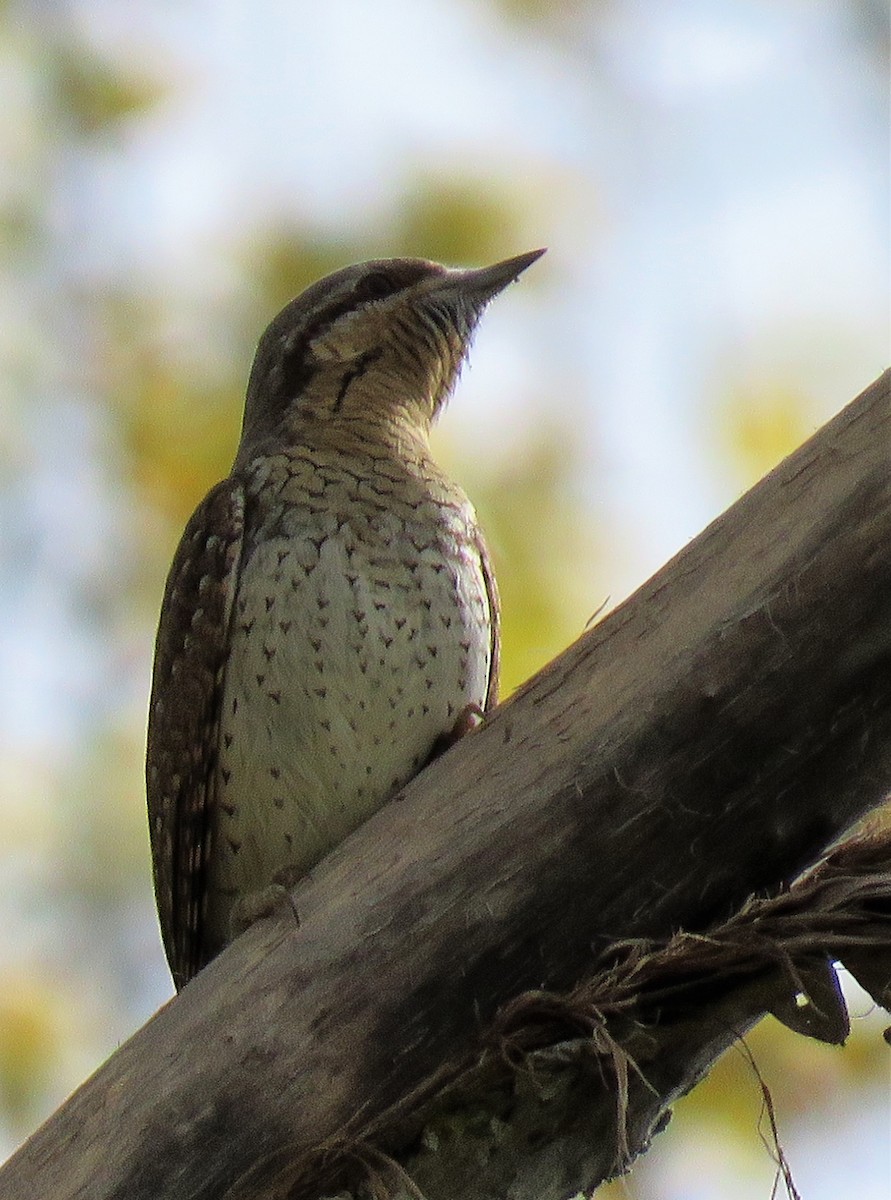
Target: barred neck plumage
x,y
380,342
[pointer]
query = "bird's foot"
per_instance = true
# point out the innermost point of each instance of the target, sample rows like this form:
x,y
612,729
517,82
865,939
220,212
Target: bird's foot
x,y
468,719
262,903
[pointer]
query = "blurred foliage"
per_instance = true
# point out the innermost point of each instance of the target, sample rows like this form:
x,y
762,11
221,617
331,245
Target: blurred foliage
x,y
452,220
757,426
96,95
281,260
544,13
31,1037
458,221
105,831
546,554
178,416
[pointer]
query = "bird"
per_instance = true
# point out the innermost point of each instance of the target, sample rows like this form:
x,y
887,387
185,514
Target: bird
x,y
330,620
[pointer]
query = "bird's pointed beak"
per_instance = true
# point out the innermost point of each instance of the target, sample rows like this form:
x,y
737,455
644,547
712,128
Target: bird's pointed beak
x,y
480,284
450,303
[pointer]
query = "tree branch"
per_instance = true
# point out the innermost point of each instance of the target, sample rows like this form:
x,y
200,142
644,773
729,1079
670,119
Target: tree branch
x,y
705,742
570,1088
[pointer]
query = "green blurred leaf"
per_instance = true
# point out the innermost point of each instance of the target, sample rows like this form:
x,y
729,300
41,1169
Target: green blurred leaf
x,y
546,553
178,418
281,260
459,221
98,94
760,424
30,1038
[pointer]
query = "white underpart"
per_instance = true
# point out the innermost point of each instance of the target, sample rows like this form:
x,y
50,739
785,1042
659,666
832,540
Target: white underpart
x,y
376,637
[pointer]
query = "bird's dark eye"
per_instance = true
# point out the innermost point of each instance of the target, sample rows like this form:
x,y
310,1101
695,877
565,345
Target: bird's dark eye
x,y
375,285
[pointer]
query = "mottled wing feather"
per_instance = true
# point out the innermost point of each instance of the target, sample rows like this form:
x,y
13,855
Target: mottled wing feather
x,y
184,713
495,619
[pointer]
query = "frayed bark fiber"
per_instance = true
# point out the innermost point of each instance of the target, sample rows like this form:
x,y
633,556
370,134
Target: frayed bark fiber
x,y
645,1027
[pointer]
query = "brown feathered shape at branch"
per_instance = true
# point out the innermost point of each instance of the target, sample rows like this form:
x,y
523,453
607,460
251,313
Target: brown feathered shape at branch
x,y
330,617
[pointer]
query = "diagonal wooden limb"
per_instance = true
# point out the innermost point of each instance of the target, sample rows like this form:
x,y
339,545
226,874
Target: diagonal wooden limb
x,y
705,742
571,1088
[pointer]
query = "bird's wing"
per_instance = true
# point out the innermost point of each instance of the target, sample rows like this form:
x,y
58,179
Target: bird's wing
x,y
495,620
184,713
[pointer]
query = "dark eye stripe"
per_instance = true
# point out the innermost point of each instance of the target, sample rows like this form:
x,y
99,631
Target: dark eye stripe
x,y
296,370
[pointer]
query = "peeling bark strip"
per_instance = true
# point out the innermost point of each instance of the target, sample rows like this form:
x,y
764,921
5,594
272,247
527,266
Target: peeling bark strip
x,y
585,1080
705,742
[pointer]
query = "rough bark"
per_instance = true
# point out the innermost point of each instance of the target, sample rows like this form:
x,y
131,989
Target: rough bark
x,y
705,742
573,1087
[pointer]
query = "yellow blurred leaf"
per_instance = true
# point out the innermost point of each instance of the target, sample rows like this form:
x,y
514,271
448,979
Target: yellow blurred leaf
x,y
546,553
459,221
98,94
280,261
760,425
178,418
30,1037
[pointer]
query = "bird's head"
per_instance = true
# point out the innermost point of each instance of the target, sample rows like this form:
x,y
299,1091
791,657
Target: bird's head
x,y
379,340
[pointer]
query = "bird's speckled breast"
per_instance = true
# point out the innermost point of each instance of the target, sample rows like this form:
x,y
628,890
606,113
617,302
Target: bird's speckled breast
x,y
361,629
